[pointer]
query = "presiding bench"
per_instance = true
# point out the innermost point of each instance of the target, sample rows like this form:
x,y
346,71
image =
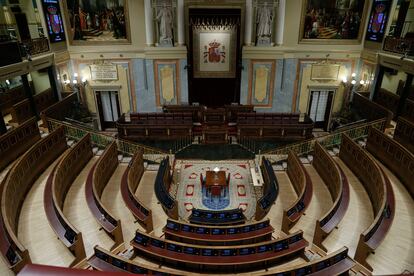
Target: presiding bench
x,y
379,189
302,184
96,182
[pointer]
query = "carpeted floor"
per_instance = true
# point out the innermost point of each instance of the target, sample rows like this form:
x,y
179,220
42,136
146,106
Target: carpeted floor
x,y
190,192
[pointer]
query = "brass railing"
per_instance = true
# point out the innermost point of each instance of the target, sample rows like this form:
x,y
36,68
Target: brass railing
x,y
102,140
327,141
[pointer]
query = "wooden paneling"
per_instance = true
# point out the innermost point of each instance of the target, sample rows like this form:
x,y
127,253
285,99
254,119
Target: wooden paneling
x,y
394,156
370,110
129,184
14,189
337,183
96,182
15,142
404,133
387,99
58,185
59,110
11,97
302,184
408,110
379,189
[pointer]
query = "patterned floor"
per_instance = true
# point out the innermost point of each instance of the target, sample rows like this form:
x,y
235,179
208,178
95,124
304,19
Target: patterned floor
x,y
190,192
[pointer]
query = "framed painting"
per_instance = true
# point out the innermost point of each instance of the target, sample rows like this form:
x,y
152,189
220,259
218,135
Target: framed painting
x,y
332,21
214,52
97,22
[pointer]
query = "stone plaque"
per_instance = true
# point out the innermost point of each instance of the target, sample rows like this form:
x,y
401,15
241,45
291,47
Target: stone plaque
x,y
104,72
325,71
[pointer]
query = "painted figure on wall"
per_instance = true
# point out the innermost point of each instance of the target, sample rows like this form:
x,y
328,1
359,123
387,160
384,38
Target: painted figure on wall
x,y
165,19
332,20
99,20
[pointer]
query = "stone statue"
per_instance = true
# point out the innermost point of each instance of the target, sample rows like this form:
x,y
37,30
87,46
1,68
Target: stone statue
x,y
165,19
264,21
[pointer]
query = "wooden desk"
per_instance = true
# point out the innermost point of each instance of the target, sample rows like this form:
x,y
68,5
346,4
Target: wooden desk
x,y
215,181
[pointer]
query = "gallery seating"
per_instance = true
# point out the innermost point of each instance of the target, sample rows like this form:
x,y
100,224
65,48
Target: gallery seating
x,y
387,99
104,260
284,126
302,183
335,263
157,126
370,110
22,110
222,217
395,156
60,109
14,189
404,133
162,188
218,235
96,182
219,258
408,110
378,188
270,190
338,186
11,97
129,184
57,186
15,142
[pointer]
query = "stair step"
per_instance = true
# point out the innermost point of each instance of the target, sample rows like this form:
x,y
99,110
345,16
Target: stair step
x,y
126,159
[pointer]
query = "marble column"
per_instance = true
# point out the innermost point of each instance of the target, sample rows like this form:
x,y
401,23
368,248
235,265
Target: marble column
x,y
248,23
280,25
180,22
149,28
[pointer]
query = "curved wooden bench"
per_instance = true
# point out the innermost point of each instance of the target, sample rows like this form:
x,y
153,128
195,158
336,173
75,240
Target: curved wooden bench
x,y
336,263
220,258
14,189
162,187
379,189
270,190
302,184
404,133
129,184
394,156
218,235
15,142
57,186
104,260
217,217
338,186
98,178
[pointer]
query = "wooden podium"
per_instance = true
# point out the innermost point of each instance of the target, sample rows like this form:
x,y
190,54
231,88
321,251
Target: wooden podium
x,y
215,182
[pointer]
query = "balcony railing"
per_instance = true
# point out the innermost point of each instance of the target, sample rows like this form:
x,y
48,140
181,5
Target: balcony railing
x,y
34,46
403,46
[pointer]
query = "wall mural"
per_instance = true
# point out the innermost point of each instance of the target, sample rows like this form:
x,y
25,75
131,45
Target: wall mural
x,y
338,21
214,48
97,21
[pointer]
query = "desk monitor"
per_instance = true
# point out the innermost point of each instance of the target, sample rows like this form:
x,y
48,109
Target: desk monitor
x,y
209,252
172,226
141,239
232,231
157,243
227,252
174,247
187,228
191,250
119,263
101,255
202,230
247,251
139,270
217,231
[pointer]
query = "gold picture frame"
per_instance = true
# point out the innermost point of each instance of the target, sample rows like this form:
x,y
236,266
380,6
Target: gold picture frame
x,y
305,38
85,42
